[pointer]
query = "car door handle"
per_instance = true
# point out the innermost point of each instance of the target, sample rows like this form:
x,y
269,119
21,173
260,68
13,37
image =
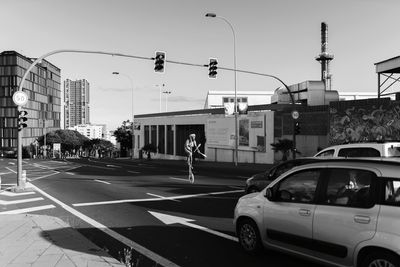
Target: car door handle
x,y
304,212
362,219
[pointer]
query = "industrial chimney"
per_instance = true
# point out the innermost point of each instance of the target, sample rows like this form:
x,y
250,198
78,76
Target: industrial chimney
x,y
324,57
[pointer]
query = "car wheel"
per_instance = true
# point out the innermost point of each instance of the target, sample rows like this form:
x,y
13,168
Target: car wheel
x,y
381,259
249,237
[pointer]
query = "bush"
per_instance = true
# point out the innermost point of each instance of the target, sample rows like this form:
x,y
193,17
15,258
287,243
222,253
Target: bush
x,y
148,148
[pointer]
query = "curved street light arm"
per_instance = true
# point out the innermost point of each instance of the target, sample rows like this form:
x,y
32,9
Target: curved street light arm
x,y
20,181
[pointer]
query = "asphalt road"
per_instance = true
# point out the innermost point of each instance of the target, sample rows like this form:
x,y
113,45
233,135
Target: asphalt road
x,y
145,205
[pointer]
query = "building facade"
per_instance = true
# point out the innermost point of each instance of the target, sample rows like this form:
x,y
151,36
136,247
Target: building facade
x,y
219,99
44,105
76,99
91,131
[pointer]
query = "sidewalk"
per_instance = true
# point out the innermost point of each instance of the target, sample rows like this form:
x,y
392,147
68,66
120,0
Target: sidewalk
x,y
45,241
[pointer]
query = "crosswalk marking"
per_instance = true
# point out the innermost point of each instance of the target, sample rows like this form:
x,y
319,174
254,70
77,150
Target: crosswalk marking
x,y
26,210
12,202
12,194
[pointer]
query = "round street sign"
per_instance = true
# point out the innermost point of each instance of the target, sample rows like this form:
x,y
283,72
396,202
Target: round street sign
x,y
295,114
20,98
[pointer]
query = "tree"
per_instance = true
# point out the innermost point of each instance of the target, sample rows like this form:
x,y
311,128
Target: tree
x,y
123,134
70,140
100,147
284,146
148,148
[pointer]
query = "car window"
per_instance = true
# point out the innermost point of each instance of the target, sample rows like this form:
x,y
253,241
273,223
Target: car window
x,y
359,152
328,153
283,168
349,187
394,151
392,192
298,187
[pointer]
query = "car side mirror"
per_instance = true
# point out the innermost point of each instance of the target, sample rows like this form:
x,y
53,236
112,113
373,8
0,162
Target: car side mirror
x,y
269,194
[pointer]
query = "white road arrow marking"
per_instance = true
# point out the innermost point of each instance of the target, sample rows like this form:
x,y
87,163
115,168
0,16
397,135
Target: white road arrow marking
x,y
11,202
100,181
112,166
170,219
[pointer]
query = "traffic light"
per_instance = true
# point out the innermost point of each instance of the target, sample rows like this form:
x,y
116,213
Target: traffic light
x,y
212,68
159,61
297,128
22,119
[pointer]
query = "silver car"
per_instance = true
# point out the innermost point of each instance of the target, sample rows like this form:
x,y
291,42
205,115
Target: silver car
x,y
342,212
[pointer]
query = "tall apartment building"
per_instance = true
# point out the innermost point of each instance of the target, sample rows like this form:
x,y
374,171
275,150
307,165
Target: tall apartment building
x,y
44,105
76,99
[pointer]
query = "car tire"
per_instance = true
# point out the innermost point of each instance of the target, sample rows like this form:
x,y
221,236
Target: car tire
x,y
380,259
249,236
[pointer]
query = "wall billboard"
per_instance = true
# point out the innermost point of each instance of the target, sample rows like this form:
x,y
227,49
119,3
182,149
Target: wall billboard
x,y
221,131
364,120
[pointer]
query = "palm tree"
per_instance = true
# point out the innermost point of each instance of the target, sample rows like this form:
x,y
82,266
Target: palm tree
x,y
284,146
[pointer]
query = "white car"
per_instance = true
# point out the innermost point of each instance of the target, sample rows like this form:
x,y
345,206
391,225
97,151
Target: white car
x,y
342,212
383,149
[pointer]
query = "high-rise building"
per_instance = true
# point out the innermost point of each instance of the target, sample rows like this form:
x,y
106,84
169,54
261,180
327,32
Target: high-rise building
x,y
44,105
76,98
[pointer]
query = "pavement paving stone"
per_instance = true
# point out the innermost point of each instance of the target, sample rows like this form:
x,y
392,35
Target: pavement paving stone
x,y
47,260
65,261
45,241
32,253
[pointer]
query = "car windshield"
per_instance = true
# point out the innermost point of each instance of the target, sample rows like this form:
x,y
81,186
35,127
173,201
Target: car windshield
x,y
394,151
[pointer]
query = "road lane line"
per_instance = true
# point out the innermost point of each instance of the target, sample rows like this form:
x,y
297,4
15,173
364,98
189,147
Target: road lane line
x,y
44,176
19,211
100,181
154,195
236,187
152,199
148,253
11,170
134,172
179,179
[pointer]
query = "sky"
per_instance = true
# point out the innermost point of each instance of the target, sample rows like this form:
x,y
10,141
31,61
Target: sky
x,y
277,37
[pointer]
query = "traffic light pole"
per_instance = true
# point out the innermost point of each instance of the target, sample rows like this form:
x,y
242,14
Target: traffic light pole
x,y
20,183
291,99
35,62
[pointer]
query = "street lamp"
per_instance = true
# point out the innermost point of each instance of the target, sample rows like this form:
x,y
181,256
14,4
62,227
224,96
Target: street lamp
x,y
213,15
133,116
166,99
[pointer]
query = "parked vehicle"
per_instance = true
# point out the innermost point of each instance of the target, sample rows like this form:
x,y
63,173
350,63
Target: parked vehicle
x,y
343,212
370,149
259,181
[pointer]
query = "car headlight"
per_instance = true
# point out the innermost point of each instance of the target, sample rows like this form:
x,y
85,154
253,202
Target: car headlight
x,y
248,181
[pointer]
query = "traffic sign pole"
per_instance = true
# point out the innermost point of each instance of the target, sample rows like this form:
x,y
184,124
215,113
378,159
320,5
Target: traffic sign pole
x,y
20,98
